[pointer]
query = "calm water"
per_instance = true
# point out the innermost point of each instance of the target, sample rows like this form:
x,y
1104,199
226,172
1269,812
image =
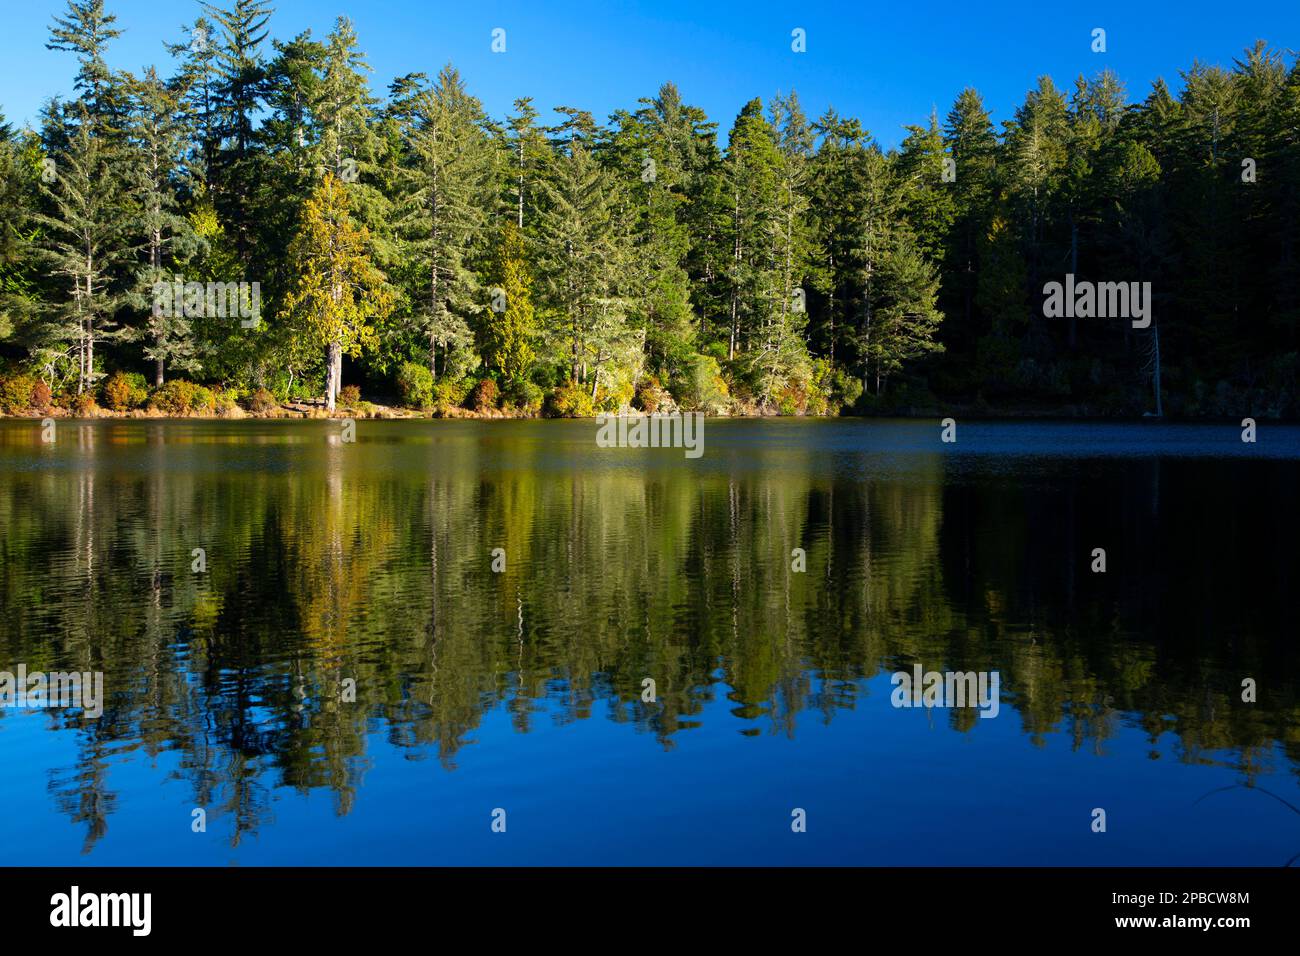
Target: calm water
x,y
330,563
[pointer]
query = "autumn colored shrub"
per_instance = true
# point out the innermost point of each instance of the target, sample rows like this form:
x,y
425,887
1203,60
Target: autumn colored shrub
x,y
650,395
16,393
484,396
260,401
179,397
41,396
125,390
570,401
84,405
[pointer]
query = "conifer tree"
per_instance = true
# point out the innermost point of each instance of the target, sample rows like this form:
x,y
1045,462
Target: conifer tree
x,y
237,94
158,177
507,330
584,244
86,248
445,194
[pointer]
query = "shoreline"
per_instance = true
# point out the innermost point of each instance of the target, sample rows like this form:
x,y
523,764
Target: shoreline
x,y
301,412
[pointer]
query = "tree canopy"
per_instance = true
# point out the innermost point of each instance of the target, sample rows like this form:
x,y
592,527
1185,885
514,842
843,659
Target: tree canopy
x,y
797,267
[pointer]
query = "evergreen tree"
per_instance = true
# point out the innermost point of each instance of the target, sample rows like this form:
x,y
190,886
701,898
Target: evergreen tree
x,y
584,254
157,179
446,184
506,334
906,318
752,175
86,248
19,157
237,94
86,31
972,145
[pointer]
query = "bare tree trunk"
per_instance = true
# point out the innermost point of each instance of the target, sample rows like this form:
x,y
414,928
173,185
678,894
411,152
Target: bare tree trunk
x,y
155,260
90,333
735,282
333,361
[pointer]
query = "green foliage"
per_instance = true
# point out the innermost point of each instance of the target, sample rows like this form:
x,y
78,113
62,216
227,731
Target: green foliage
x,y
701,387
508,326
785,273
527,397
260,401
415,385
444,190
123,391
337,292
224,403
179,397
16,392
570,401
450,393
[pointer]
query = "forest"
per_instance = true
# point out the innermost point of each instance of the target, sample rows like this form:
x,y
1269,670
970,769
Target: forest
x,y
412,248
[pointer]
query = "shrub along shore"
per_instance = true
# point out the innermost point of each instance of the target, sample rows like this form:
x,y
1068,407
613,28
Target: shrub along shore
x,y
126,395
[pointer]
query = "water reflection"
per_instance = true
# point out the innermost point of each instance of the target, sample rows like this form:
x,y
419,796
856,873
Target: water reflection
x,y
335,569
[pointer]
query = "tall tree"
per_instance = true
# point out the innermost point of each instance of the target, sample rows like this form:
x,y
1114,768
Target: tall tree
x,y
157,178
445,186
506,335
237,95
338,293
87,248
584,246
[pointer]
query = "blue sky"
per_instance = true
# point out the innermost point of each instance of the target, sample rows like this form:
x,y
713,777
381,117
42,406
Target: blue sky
x,y
886,63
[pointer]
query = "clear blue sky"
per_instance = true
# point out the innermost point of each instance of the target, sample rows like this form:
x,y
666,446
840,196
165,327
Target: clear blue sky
x,y
886,63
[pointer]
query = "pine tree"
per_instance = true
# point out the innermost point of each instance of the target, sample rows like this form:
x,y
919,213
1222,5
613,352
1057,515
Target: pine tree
x,y
18,194
237,95
529,154
906,317
583,247
928,202
752,175
196,82
342,139
445,183
157,176
647,153
1037,142
784,355
86,248
506,333
86,31
972,145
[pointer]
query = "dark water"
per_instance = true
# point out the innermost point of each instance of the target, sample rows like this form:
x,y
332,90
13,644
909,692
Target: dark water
x,y
330,563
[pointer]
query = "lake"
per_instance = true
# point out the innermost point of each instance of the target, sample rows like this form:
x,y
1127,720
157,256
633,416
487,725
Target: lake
x,y
386,651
